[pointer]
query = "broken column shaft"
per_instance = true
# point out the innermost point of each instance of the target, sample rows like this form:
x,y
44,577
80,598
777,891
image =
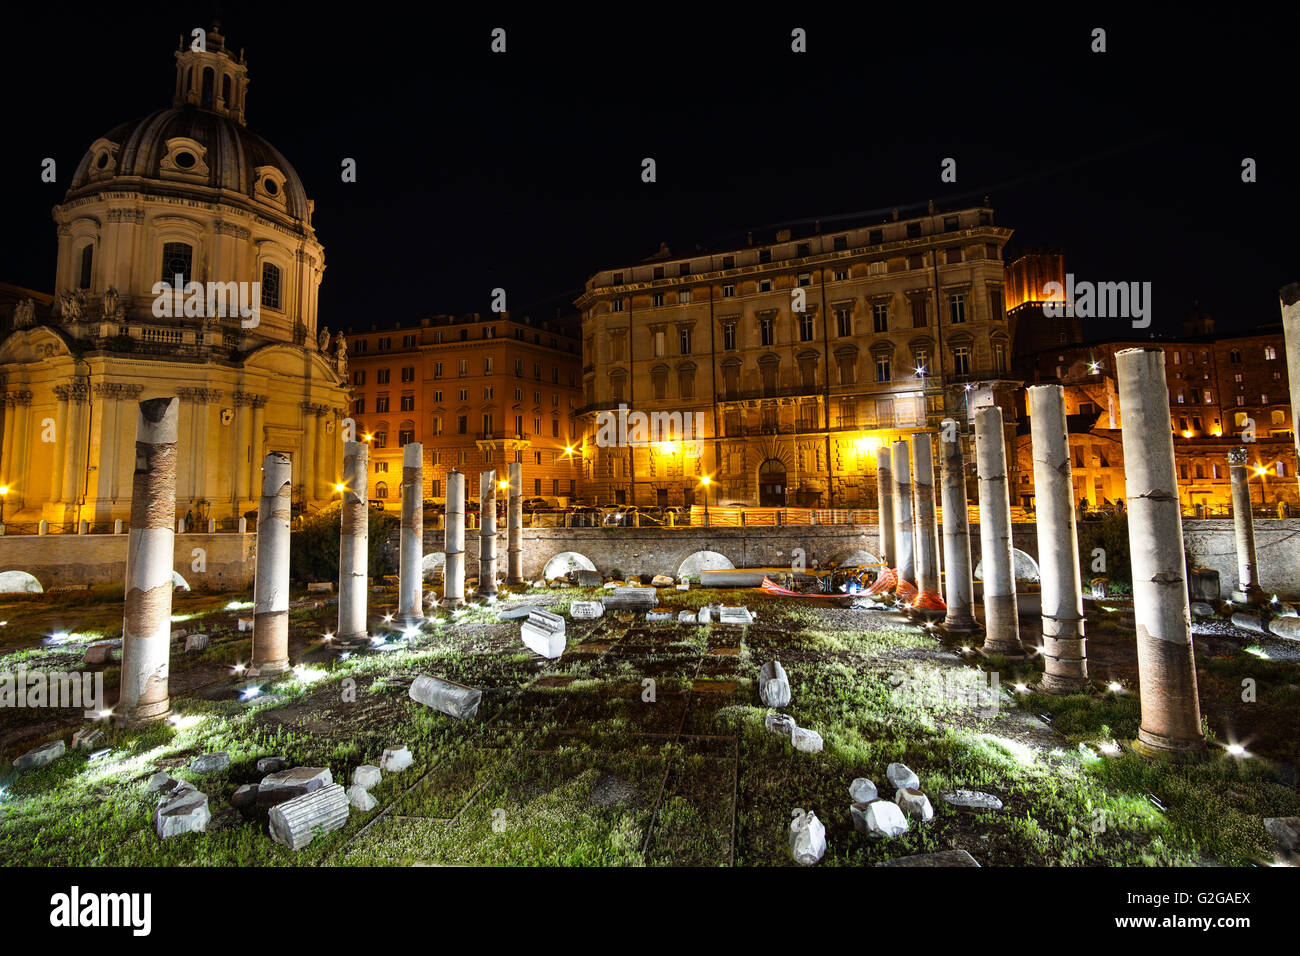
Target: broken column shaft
x,y
959,591
1171,712
354,541
515,526
410,570
885,484
146,625
271,581
1001,624
905,556
487,533
1065,660
1289,297
927,534
453,571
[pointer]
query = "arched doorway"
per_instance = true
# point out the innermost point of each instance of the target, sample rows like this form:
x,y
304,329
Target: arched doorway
x,y
771,484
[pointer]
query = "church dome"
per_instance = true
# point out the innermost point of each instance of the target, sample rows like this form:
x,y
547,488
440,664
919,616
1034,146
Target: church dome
x,y
198,146
176,149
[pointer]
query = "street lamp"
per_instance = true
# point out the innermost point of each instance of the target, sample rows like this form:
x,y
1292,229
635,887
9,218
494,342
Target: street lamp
x,y
1261,471
4,492
705,481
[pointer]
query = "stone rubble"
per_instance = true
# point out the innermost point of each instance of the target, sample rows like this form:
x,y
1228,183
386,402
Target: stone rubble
x,y
1285,830
543,633
902,777
807,838
366,776
586,610
395,759
942,858
196,643
87,738
659,617
686,617
40,756
184,810
267,765
662,581
289,784
806,741
210,763
631,598
738,615
101,652
359,798
295,823
973,798
517,613
779,723
881,819
914,804
862,790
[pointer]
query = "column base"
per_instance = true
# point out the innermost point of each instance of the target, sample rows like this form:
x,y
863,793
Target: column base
x,y
1251,595
1064,684
350,642
957,628
268,669
1150,744
144,716
452,602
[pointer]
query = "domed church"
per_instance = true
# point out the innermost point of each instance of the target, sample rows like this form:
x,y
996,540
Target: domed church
x,y
187,266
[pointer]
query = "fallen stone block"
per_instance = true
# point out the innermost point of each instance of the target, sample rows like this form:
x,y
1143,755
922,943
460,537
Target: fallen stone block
x,y
295,823
452,699
210,763
658,617
806,741
882,819
1287,628
270,764
807,838
40,756
631,598
245,796
543,633
517,613
862,790
1203,584
686,617
586,610
914,804
735,614
395,759
160,783
87,738
779,724
773,685
366,776
360,799
244,624
1248,621
901,776
320,587
662,581
101,652
942,858
1285,830
184,811
586,579
289,784
195,643
1201,610
684,586
973,798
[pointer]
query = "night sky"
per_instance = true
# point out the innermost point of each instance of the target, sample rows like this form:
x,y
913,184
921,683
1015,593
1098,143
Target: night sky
x,y
523,170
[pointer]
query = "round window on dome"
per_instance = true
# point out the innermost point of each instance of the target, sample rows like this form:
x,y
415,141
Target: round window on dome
x,y
271,186
102,162
185,160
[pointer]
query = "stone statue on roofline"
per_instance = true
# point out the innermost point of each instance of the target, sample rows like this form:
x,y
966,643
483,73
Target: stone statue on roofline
x,y
24,314
72,306
323,340
341,353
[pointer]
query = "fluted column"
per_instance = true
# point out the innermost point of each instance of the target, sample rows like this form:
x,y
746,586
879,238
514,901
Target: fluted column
x,y
1001,624
1171,713
959,592
146,626
410,580
1065,659
271,578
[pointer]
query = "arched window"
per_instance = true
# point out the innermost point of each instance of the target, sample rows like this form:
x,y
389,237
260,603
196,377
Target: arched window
x,y
209,84
381,489
177,260
225,89
270,285
87,262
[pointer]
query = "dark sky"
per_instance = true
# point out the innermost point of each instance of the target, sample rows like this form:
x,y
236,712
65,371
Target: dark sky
x,y
523,170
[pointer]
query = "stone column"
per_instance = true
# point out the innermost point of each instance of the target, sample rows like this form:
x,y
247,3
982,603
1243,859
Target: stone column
x,y
904,557
1290,300
515,526
73,443
354,539
1171,713
1001,625
1243,526
308,460
146,625
885,486
487,534
959,591
926,537
243,432
11,429
259,432
410,591
271,578
1065,656
453,571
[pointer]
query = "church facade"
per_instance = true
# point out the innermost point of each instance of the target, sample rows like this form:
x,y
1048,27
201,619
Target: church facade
x,y
187,266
